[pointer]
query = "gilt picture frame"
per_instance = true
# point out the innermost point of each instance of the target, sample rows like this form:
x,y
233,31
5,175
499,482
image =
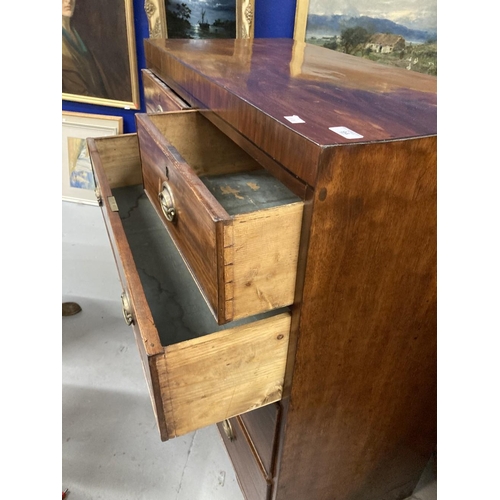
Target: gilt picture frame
x,y
99,54
78,183
397,33
200,19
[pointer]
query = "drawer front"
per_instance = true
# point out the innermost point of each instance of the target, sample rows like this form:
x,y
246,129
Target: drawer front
x,y
193,382
262,429
197,219
120,156
248,472
244,263
158,97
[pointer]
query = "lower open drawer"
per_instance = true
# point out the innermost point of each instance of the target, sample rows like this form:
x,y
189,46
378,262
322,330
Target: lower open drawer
x,y
199,373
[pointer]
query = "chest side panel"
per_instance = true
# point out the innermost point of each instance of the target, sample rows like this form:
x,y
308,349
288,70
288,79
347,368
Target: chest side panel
x,y
362,409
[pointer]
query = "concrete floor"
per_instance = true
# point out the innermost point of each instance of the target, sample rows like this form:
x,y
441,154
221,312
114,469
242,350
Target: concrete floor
x,y
111,447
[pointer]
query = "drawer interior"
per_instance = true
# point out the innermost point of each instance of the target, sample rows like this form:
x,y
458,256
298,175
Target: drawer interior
x,y
177,306
198,372
237,181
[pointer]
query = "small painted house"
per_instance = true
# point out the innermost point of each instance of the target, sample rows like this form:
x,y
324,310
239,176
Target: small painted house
x,y
385,43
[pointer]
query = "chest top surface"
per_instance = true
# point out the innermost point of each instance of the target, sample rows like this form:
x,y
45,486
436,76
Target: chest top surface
x,y
324,88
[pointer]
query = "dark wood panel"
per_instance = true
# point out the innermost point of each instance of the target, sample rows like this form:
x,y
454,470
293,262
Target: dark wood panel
x,y
262,429
250,477
362,409
254,84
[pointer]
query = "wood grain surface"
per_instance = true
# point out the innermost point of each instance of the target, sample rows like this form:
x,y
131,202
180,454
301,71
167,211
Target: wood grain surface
x,y
209,379
261,426
158,98
200,381
359,417
197,214
251,480
363,395
106,155
255,84
240,244
264,257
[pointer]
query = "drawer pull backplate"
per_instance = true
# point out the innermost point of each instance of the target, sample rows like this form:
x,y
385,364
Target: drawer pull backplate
x,y
228,430
127,315
167,202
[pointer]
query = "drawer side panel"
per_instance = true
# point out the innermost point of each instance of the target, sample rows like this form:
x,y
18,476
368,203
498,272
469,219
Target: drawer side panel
x,y
105,154
212,378
265,255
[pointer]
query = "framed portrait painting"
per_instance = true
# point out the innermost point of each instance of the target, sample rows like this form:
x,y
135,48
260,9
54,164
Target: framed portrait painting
x,y
399,33
200,19
99,59
78,182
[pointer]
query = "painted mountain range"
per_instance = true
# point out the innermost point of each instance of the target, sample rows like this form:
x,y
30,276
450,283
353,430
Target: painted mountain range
x,y
333,25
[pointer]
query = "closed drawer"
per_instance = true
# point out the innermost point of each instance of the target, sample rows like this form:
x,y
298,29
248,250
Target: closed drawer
x,y
262,430
251,479
198,372
158,97
237,227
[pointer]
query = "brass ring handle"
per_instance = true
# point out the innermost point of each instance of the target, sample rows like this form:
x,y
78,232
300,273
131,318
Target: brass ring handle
x,y
127,315
228,430
167,202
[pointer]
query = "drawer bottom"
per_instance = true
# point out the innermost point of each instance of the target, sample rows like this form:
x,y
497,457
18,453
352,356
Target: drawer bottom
x,y
177,305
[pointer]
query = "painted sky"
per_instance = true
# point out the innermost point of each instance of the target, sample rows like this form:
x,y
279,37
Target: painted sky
x,y
415,14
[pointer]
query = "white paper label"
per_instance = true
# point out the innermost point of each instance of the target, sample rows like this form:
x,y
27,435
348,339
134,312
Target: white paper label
x,y
346,132
294,119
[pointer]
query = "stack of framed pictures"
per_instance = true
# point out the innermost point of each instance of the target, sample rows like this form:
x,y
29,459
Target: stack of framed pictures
x,y
78,183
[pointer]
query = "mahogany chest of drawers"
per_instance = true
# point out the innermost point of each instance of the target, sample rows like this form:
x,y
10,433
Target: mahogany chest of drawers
x,y
273,222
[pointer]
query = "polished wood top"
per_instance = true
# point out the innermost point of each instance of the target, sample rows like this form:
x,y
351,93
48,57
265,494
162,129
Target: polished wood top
x,y
324,88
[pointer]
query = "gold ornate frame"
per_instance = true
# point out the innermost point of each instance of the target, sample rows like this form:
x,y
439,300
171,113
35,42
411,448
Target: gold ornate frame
x,y
157,18
134,102
301,11
420,57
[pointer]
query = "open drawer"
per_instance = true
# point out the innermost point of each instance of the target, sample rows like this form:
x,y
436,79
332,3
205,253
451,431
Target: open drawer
x,y
198,372
236,226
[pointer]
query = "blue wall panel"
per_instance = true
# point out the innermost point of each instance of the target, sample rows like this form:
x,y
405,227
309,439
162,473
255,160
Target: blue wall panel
x,y
273,19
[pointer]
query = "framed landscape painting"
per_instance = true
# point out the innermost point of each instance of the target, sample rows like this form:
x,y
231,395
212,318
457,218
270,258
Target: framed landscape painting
x,y
399,33
99,60
200,19
78,183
